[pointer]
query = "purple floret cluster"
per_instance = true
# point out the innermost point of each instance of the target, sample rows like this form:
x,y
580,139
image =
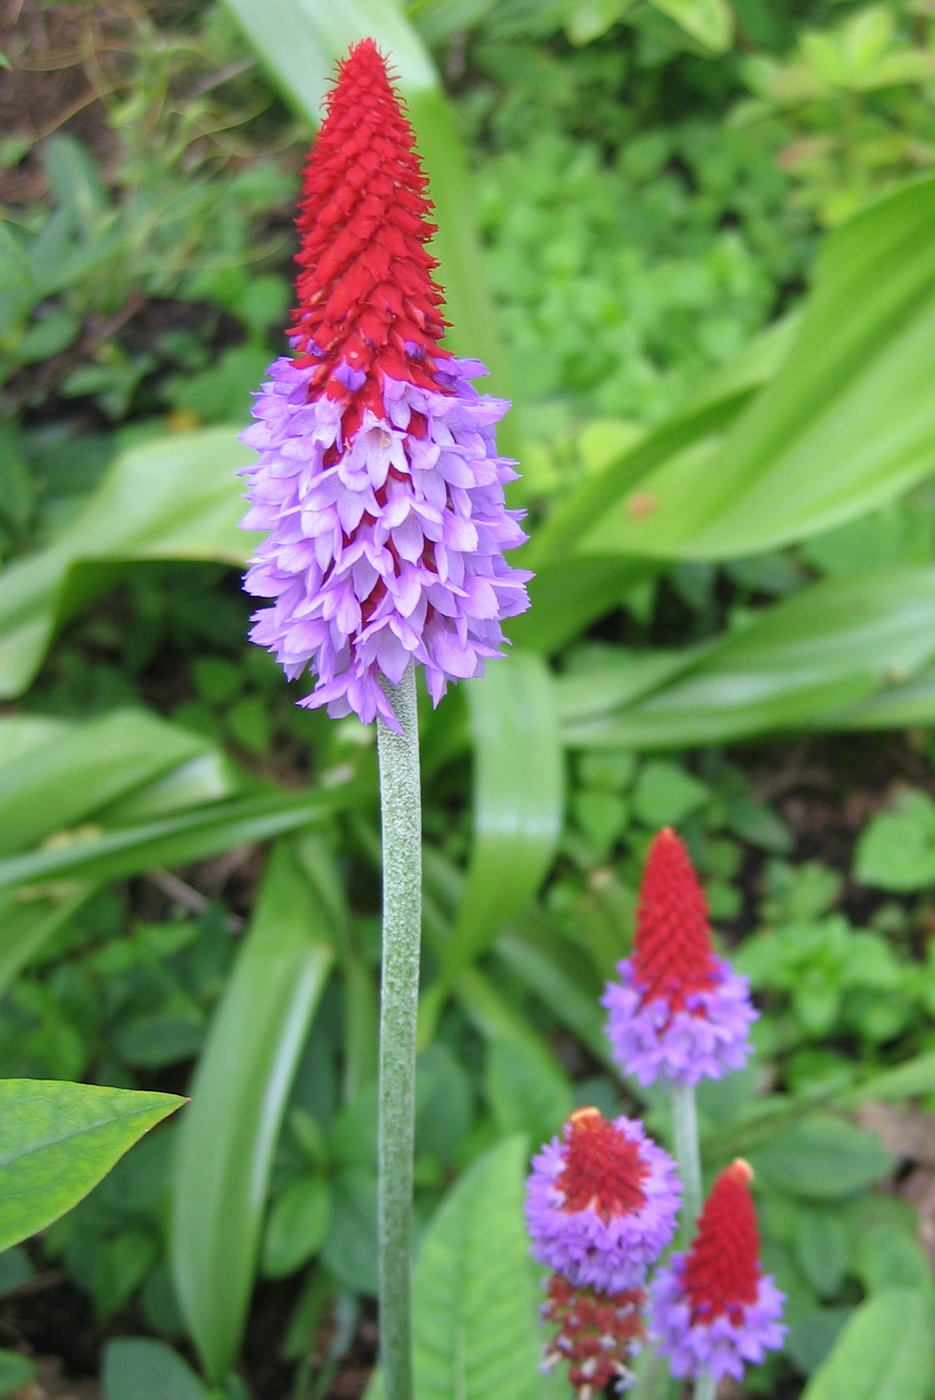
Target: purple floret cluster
x,y
723,1345
385,548
607,1250
704,1038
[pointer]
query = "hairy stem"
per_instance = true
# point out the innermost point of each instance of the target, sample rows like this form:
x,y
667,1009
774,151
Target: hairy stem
x,y
685,1132
705,1386
400,806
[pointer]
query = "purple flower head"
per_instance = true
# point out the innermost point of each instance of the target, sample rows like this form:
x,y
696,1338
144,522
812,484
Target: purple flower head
x,y
677,1011
378,484
601,1204
712,1309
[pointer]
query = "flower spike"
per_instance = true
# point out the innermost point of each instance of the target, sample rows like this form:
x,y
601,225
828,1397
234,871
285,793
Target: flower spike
x,y
712,1308
601,1204
678,1011
378,480
596,1335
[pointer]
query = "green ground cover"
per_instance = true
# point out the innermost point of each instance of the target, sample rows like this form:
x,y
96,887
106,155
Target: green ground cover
x,y
706,237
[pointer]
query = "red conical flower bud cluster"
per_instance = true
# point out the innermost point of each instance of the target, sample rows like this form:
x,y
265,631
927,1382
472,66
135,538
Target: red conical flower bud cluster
x,y
678,1012
722,1269
604,1171
596,1333
366,295
713,1310
672,952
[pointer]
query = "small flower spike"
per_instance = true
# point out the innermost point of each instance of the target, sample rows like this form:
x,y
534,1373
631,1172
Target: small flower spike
x,y
601,1204
596,1335
712,1309
378,480
678,1011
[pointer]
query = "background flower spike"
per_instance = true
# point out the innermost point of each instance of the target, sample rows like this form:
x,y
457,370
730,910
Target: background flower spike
x,y
378,480
712,1309
678,1012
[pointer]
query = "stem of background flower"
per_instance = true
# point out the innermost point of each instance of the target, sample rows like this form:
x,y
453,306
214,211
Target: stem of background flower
x,y
400,805
705,1386
685,1133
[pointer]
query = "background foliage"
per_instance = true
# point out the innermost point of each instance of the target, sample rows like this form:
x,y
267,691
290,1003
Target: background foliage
x,y
693,241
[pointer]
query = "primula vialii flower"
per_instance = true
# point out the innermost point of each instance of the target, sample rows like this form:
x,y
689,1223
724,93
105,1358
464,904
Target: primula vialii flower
x,y
601,1204
596,1334
378,479
678,1011
712,1308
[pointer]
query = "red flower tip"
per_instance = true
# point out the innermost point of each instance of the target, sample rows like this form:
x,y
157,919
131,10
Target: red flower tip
x,y
603,1170
367,300
672,953
722,1268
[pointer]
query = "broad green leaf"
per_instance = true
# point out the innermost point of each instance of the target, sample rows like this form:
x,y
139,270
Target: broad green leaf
x,y
173,498
896,850
297,1226
56,1142
178,840
847,423
474,1300
26,925
85,767
796,664
518,802
16,1371
914,1079
300,41
711,22
884,1352
141,1368
525,1094
821,1158
238,1098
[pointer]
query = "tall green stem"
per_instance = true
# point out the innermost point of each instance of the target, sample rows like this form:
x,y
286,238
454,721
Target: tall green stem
x,y
687,1156
400,804
705,1386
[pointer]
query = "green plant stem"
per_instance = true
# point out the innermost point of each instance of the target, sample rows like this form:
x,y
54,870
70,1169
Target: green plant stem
x,y
705,1386
402,889
685,1133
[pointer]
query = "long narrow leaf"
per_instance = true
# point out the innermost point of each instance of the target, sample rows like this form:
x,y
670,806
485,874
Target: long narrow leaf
x,y
518,802
177,840
847,423
174,498
238,1099
830,646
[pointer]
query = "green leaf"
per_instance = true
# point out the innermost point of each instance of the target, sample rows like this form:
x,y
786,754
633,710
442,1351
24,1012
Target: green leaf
x,y
821,1248
896,851
666,793
177,840
175,497
518,802
846,424
797,663
525,1094
297,1226
238,1099
16,1372
56,1142
711,22
474,1299
141,1368
83,768
884,1352
821,1158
